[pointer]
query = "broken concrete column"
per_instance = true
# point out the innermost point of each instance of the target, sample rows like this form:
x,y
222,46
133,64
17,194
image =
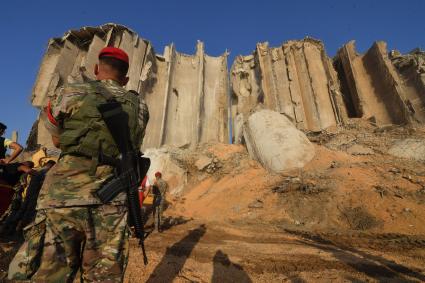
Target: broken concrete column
x,y
374,88
273,140
296,79
72,57
189,101
411,68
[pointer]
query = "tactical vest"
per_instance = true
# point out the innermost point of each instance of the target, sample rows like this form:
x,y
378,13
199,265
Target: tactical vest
x,y
2,148
85,133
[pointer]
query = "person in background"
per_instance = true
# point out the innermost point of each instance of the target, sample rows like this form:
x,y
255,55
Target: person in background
x,y
22,209
11,173
14,175
144,190
159,191
5,144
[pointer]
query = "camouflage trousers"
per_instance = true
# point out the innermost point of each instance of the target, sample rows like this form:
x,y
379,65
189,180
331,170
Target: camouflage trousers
x,y
80,244
158,210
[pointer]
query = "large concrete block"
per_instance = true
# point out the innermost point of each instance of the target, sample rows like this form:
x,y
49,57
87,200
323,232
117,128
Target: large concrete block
x,y
161,160
275,142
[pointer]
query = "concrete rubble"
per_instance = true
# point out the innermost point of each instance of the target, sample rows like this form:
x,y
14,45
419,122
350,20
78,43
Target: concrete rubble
x,y
163,160
274,141
409,148
195,99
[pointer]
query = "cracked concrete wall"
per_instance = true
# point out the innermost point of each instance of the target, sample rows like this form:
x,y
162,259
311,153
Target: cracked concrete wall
x,y
189,105
411,69
376,90
296,79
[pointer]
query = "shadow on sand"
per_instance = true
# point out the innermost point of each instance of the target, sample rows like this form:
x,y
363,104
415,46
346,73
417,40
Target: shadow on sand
x,y
175,257
227,271
377,267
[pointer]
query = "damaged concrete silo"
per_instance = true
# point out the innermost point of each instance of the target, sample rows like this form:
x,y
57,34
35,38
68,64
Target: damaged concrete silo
x,y
188,102
296,79
186,95
378,90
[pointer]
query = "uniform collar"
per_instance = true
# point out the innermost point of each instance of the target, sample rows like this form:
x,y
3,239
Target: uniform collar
x,y
112,82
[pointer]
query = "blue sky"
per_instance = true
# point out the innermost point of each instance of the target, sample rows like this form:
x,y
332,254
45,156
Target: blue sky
x,y
233,25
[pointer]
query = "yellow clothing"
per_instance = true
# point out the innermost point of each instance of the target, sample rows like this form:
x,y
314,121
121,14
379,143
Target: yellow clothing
x,y
7,142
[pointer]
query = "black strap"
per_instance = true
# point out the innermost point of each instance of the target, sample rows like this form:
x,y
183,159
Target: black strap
x,y
2,148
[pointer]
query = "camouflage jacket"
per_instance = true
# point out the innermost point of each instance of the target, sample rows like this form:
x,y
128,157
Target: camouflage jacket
x,y
72,181
162,187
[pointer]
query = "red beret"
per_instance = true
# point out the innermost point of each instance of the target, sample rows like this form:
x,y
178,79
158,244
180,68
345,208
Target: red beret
x,y
115,53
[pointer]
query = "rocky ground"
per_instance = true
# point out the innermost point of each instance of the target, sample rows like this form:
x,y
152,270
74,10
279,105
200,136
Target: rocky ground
x,y
355,213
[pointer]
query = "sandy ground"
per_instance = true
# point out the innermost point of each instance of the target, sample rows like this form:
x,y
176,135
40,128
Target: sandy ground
x,y
350,215
212,252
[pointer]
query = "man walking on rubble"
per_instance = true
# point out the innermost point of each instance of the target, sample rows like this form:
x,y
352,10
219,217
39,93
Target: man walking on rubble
x,y
84,239
5,144
159,190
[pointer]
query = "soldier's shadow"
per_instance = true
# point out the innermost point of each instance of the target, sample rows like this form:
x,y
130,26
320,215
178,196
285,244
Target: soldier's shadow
x,y
175,257
227,271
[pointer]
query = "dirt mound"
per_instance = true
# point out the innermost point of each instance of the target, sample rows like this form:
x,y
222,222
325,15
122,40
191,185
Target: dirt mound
x,y
351,184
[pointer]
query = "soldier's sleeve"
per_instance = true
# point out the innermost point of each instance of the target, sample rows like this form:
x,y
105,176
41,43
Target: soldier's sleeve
x,y
143,115
65,101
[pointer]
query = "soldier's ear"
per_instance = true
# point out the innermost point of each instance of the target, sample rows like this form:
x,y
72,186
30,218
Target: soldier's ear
x,y
125,81
96,69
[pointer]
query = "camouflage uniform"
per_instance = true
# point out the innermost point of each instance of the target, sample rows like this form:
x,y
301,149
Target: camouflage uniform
x,y
82,239
160,189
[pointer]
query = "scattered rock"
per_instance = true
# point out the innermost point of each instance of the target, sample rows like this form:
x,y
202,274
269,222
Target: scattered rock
x,y
394,170
275,142
281,189
385,128
407,177
203,162
256,204
409,148
340,141
382,191
359,150
334,164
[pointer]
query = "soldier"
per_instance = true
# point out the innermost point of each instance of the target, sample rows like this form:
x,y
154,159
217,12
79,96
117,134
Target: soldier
x,y
159,190
5,144
83,239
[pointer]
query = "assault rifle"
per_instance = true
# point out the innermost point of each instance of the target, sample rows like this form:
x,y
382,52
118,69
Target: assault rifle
x,y
130,170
